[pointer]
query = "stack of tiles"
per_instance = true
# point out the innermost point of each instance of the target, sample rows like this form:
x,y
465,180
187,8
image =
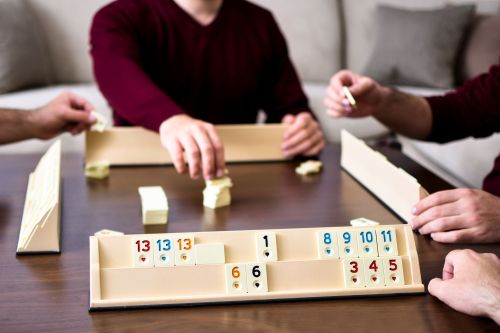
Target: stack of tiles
x,y
154,205
216,193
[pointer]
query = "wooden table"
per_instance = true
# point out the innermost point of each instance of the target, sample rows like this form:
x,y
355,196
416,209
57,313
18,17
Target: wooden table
x,y
49,293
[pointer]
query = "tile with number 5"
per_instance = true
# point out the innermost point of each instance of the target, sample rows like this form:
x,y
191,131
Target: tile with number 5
x,y
393,271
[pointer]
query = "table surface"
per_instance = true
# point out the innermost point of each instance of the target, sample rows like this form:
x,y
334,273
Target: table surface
x,y
49,293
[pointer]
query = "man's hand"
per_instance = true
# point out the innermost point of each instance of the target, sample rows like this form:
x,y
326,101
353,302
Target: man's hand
x,y
303,137
367,93
459,216
66,113
470,283
204,150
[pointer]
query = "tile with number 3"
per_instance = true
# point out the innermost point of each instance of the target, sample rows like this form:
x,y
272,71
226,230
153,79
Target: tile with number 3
x,y
353,273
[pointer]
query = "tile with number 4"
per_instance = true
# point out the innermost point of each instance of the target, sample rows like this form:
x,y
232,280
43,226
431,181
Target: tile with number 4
x,y
387,242
164,252
348,244
236,278
256,278
184,250
353,273
142,249
374,272
367,242
327,244
266,246
393,271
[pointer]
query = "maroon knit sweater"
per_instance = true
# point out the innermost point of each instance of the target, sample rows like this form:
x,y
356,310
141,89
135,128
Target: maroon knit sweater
x,y
152,60
472,110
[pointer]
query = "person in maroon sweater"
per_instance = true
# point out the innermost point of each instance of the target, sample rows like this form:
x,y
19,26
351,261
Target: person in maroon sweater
x,y
470,280
179,66
460,215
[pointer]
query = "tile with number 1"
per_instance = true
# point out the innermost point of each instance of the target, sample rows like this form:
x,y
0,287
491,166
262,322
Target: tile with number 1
x,y
266,246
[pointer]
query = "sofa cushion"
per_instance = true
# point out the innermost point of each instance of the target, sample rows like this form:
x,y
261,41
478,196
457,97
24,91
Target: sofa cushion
x,y
360,19
483,46
65,26
313,32
418,47
23,60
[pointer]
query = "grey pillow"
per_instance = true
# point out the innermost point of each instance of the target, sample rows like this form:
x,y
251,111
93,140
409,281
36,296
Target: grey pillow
x,y
23,61
418,48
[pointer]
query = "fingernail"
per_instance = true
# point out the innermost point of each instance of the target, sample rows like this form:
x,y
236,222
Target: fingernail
x,y
414,210
420,231
432,236
220,173
92,117
348,109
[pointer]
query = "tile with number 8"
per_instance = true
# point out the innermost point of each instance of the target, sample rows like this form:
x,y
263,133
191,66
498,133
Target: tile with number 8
x,y
266,246
327,244
142,249
184,250
164,252
387,242
348,244
256,278
236,278
393,271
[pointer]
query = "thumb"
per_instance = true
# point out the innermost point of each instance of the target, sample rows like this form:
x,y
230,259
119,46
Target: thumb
x,y
362,86
437,287
288,119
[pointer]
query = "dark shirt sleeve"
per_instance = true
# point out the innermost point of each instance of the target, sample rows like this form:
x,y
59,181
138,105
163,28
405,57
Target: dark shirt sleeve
x,y
284,94
115,49
472,110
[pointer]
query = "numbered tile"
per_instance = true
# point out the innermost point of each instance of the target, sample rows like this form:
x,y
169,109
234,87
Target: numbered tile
x,y
184,250
207,254
256,278
393,271
164,252
266,246
387,242
367,242
236,278
374,272
353,273
142,249
327,244
348,244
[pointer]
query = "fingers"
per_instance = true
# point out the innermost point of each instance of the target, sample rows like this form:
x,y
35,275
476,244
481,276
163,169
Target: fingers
x,y
436,199
77,116
436,287
304,136
208,160
288,119
343,78
193,154
220,163
454,236
176,152
79,103
362,86
439,212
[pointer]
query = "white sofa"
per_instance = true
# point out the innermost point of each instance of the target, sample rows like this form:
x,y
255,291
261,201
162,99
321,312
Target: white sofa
x,y
316,31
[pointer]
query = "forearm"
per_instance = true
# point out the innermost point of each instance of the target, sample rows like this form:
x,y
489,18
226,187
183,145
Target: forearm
x,y
16,125
406,114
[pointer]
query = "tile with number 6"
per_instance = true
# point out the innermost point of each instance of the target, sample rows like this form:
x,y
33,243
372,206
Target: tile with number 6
x,y
236,278
257,278
142,249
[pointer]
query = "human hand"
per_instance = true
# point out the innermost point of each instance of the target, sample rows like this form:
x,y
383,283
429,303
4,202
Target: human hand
x,y
66,113
460,215
200,142
470,283
303,137
367,93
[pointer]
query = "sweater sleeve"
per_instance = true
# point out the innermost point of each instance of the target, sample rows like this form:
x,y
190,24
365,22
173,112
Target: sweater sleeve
x,y
472,110
284,92
115,49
